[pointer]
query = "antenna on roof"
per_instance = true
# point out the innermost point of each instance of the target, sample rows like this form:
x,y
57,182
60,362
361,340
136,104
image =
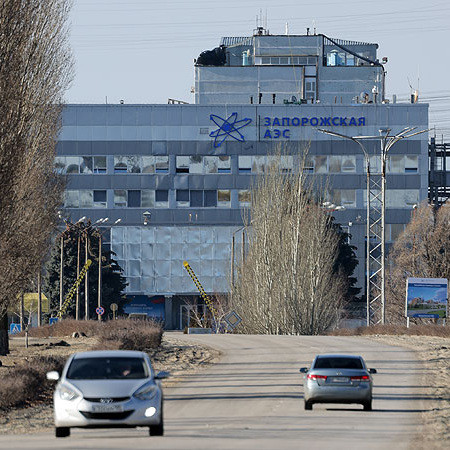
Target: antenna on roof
x,y
265,23
287,29
314,27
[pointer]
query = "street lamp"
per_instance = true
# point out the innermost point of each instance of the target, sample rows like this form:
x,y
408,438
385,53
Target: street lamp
x,y
376,216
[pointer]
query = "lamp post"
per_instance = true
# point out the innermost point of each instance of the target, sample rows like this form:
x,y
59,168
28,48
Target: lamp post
x,y
376,216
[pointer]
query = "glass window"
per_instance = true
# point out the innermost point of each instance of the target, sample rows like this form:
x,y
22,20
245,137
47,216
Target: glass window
x,y
309,164
116,368
396,230
375,164
245,164
120,198
71,199
335,164
224,164
244,197
86,164
287,163
134,199
320,164
210,199
274,60
148,164
302,60
73,164
86,198
284,60
396,164
147,198
211,164
311,60
348,198
259,164
348,164
99,199
182,164
134,164
411,163
120,164
99,164
196,164
265,60
162,164
196,199
60,164
161,198
411,197
182,197
223,198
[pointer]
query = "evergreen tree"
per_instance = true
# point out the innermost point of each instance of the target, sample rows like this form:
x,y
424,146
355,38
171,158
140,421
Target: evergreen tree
x,y
113,283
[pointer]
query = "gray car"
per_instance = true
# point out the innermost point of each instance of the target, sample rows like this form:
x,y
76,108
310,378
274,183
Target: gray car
x,y
338,379
102,389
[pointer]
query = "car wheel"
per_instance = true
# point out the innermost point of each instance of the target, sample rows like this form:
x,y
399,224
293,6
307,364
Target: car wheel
x,y
308,406
158,430
367,405
62,432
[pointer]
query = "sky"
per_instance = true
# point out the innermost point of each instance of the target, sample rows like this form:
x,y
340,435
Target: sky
x,y
142,51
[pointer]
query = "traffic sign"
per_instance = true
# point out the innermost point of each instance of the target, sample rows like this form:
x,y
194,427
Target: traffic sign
x,y
52,320
100,311
113,306
233,319
15,328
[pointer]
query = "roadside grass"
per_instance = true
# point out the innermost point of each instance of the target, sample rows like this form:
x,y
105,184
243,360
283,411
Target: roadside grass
x,y
413,330
25,383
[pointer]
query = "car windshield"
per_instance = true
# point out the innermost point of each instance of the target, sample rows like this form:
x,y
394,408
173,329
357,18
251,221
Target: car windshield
x,y
338,363
107,369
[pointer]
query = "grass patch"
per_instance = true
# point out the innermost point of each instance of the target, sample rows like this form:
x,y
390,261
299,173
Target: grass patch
x,y
413,330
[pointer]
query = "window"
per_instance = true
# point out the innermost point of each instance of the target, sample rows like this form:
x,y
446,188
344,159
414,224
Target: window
x,y
127,164
321,165
134,199
182,164
245,164
120,164
99,199
196,199
309,165
344,197
161,199
224,164
99,164
396,164
120,198
244,197
223,198
161,164
147,198
86,164
411,163
72,164
71,199
348,164
148,164
182,198
210,198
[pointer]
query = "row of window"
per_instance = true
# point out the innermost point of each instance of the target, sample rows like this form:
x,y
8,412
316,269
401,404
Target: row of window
x,y
149,198
203,165
287,60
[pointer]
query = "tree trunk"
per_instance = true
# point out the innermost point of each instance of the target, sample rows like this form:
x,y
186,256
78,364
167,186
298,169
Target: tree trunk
x,y
4,342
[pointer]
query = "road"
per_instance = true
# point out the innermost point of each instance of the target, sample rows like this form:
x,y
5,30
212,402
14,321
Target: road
x,y
252,399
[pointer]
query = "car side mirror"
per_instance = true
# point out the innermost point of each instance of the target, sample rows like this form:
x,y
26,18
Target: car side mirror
x,y
53,375
162,375
372,370
304,370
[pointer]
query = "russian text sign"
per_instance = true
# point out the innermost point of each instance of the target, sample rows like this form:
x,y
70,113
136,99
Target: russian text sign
x,y
426,297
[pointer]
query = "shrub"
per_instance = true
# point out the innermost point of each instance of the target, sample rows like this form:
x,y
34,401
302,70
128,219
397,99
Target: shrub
x,y
413,330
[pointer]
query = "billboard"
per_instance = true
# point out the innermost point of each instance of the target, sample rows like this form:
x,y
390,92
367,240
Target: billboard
x,y
154,306
426,297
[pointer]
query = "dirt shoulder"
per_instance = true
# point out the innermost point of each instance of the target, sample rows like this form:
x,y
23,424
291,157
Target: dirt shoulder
x,y
434,353
174,356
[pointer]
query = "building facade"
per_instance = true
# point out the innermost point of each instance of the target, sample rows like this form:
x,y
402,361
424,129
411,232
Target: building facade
x,y
178,176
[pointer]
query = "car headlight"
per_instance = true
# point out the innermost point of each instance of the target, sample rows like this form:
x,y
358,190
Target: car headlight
x,y
66,393
146,392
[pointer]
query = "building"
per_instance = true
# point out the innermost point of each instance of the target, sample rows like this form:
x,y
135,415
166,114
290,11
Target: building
x,y
178,175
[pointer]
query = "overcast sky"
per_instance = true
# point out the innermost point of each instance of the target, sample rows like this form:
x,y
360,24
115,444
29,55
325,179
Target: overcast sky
x,y
142,51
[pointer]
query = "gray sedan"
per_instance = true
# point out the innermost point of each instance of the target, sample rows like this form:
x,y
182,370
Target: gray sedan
x,y
102,389
338,379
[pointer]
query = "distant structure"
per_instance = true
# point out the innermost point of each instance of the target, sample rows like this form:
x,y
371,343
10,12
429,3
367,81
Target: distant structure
x,y
179,175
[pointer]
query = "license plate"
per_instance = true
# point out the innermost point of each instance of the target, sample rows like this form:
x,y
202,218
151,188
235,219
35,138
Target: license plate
x,y
107,408
340,379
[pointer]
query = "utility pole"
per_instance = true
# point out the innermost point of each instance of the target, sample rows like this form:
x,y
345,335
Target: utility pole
x,y
376,218
86,280
39,305
99,273
61,270
77,301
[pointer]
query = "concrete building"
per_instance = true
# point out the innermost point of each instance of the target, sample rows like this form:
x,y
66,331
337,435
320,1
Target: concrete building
x,y
178,175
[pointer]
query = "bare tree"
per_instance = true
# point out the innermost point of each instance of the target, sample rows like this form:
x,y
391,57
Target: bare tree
x,y
421,251
287,283
35,70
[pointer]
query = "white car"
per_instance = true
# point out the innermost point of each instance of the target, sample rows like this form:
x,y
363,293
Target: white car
x,y
102,389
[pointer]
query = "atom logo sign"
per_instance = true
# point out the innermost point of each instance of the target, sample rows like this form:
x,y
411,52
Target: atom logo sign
x,y
228,127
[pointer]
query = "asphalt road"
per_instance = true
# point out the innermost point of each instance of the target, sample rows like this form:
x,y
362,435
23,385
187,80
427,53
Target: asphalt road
x,y
252,399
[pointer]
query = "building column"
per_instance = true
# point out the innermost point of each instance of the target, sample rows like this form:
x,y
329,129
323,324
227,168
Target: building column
x,y
168,313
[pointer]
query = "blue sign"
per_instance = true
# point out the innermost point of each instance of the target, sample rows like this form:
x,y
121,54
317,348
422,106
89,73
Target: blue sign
x,y
228,127
154,306
15,328
100,311
426,297
280,127
52,320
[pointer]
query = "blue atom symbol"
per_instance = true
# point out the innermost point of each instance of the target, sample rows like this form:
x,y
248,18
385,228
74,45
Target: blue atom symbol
x,y
228,127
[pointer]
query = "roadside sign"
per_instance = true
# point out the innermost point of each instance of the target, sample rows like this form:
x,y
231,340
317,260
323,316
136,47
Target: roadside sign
x,y
52,320
15,328
233,319
100,311
113,306
426,298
